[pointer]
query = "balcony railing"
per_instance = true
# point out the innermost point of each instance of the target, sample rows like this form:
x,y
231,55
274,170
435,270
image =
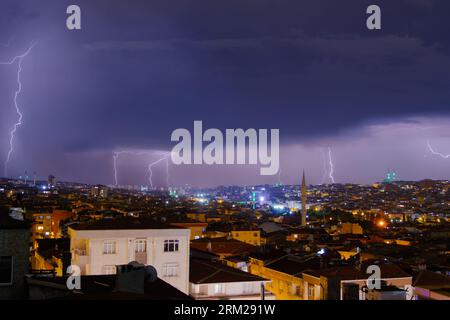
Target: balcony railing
x,y
80,252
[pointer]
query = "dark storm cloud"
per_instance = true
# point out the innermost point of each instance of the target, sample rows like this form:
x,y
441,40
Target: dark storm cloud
x,y
140,69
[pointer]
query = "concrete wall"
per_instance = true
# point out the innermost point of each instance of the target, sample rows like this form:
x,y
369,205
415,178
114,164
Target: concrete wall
x,y
241,290
95,260
16,243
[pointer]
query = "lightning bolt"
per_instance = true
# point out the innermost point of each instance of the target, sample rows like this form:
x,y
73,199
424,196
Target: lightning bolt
x,y
150,171
444,156
116,157
19,59
149,167
331,166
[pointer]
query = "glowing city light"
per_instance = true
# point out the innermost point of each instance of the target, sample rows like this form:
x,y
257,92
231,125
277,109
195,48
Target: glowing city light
x,y
149,166
331,166
381,223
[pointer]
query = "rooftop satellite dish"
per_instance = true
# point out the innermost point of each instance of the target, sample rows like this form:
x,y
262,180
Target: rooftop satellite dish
x,y
151,275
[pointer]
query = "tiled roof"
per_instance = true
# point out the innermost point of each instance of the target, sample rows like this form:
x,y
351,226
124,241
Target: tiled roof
x,y
204,271
353,273
429,279
102,287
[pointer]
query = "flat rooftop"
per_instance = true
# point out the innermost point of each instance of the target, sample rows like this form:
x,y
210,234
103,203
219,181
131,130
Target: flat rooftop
x,y
126,223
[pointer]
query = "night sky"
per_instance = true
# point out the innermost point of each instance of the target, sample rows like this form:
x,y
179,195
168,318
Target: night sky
x,y
140,69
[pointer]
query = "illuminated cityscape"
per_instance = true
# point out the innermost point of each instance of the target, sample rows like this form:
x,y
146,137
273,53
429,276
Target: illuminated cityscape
x,y
288,239
229,151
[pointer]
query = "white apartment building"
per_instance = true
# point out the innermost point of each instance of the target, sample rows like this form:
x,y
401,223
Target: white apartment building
x,y
211,280
98,247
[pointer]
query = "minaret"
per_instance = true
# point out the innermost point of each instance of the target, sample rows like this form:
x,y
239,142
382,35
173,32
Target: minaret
x,y
303,200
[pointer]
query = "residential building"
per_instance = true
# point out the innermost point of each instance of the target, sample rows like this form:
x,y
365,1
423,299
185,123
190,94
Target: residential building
x,y
250,236
100,191
430,285
211,280
130,283
47,225
223,247
98,247
350,283
197,228
284,272
15,244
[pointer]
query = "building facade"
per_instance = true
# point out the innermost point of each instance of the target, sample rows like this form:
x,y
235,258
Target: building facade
x,y
15,243
97,249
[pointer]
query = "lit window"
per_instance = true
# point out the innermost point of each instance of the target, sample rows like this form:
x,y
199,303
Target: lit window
x,y
219,288
311,292
170,270
141,245
109,269
109,247
6,270
171,245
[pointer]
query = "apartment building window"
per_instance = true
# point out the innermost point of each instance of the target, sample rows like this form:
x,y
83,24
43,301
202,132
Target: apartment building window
x,y
6,270
248,287
255,234
219,288
170,270
295,290
141,245
311,292
171,245
109,247
204,289
109,269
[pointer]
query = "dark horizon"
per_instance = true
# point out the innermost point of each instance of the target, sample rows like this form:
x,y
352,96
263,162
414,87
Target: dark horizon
x,y
38,181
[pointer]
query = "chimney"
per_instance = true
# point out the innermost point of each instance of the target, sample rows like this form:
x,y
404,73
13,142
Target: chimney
x,y
132,277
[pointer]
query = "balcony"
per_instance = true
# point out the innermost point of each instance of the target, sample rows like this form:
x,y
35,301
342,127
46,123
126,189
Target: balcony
x,y
80,252
80,257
